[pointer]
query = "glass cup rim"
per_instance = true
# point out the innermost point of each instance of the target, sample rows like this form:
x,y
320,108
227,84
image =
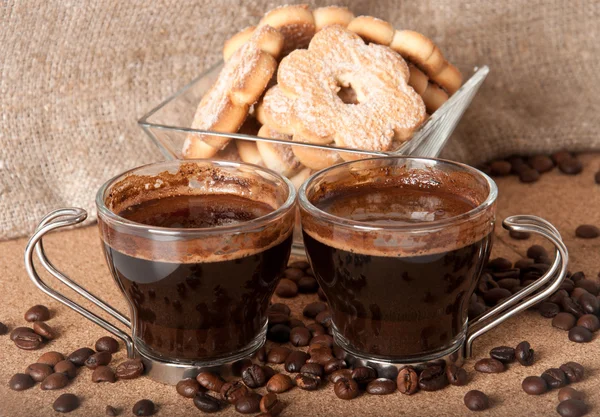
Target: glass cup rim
x,y
370,226
105,212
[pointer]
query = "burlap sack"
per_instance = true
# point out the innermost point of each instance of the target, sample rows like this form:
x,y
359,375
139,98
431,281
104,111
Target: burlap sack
x,y
76,76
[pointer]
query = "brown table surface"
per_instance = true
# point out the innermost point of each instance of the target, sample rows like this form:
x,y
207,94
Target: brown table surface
x,y
567,201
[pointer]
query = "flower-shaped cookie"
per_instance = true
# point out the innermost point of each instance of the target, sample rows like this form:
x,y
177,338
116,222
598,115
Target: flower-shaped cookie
x,y
387,107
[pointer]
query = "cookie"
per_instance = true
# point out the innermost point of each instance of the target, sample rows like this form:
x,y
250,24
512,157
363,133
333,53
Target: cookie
x,y
275,109
372,29
276,156
332,15
315,158
301,177
295,22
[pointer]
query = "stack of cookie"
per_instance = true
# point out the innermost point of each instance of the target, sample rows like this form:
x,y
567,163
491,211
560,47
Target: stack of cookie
x,y
324,77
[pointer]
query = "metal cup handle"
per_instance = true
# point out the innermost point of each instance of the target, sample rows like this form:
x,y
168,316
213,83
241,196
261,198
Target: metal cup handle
x,y
55,220
553,277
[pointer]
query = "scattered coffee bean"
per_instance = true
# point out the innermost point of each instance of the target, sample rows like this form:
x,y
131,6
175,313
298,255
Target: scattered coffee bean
x,y
541,163
407,380
504,354
254,376
279,383
249,404
307,382
588,285
316,329
296,323
536,251
43,330
286,288
130,369
433,378
499,264
80,356
334,365
580,334
559,156
293,273
597,177
300,336
346,389
207,403
555,378
111,411
567,285
519,235
313,369
299,264
39,371
54,381
66,403
188,387
570,166
323,340
20,382
364,375
489,366
572,408
320,354
509,283
589,303
534,385
103,374
381,386
476,400
495,295
144,408
279,333
574,371
210,381
312,309
568,393
500,168
280,308
28,341
590,322
548,309
271,404
98,359
529,175
66,367
51,358
278,354
307,285
295,361
3,329
570,305
107,344
232,392
19,330
524,354
324,318
456,376
37,313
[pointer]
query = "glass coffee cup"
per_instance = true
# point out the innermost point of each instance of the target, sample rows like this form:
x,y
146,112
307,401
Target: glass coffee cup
x,y
197,249
397,244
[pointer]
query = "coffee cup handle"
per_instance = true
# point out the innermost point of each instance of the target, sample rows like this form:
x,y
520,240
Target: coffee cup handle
x,y
520,300
56,220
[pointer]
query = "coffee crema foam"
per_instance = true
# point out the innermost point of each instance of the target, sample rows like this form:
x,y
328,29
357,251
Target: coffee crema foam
x,y
398,196
194,179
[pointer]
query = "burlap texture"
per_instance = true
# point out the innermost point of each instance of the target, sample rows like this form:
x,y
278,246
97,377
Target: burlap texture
x,y
76,75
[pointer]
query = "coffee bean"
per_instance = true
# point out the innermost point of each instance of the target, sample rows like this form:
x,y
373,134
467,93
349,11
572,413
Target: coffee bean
x,y
276,318
475,310
381,386
20,382
495,295
280,308
28,341
519,235
249,404
66,367
312,368
323,340
54,381
294,273
111,411
279,383
523,263
51,358
580,334
66,403
43,330
455,375
364,375
321,295
476,400
316,329
571,306
536,251
210,381
295,361
548,309
572,408
307,285
333,365
320,354
433,378
279,333
529,175
524,354
489,366
578,292
3,329
278,354
299,264
500,168
19,330
300,336
568,393
80,356
574,371
144,408
499,264
188,387
588,285
254,376
509,283
271,404
37,313
557,297
207,403
107,344
312,309
541,163
590,322
130,369
570,166
286,288
407,380
233,391
324,318
555,378
307,382
346,389
559,156
567,285
98,359
589,303
39,371
343,373
296,323
534,385
504,354
103,374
